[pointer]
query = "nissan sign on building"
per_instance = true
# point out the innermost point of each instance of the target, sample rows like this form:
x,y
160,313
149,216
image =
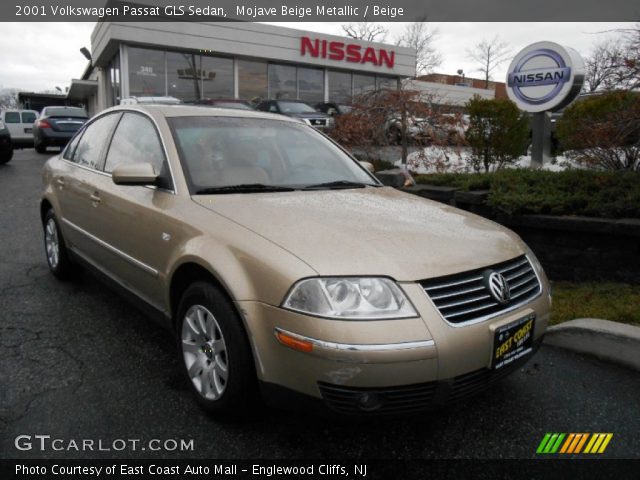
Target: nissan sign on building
x,y
545,77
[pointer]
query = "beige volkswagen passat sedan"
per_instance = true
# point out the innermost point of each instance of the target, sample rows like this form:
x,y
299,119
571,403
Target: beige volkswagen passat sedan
x,y
281,263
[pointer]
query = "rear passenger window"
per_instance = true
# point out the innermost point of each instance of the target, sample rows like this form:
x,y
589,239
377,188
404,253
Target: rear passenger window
x,y
90,147
28,117
136,141
12,117
71,147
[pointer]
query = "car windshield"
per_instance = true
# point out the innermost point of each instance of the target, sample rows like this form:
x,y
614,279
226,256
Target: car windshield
x,y
235,105
260,155
65,112
295,107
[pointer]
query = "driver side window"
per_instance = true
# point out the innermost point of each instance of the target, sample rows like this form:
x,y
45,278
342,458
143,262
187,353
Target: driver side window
x,y
136,141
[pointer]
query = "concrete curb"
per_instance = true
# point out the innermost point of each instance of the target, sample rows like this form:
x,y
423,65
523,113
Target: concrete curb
x,y
610,341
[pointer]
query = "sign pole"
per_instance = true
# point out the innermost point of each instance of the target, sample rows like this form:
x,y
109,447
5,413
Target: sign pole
x,y
540,139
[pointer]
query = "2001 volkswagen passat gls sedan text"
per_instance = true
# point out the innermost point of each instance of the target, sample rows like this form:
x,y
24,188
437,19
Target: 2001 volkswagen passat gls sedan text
x,y
279,261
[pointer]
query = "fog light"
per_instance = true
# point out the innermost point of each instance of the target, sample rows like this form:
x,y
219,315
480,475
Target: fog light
x,y
369,402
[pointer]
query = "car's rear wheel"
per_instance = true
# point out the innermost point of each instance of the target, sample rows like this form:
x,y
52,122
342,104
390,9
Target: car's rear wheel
x,y
214,351
40,146
56,250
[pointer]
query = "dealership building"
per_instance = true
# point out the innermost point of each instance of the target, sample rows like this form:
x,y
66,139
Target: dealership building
x,y
241,60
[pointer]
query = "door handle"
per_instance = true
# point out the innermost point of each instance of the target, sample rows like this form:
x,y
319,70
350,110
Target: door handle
x,y
60,181
95,197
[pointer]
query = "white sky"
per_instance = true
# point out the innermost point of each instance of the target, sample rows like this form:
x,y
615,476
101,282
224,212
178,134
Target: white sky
x,y
41,56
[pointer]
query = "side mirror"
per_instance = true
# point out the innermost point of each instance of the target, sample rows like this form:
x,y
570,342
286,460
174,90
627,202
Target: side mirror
x,y
134,174
369,166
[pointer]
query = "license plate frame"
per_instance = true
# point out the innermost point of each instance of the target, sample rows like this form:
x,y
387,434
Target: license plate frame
x,y
513,341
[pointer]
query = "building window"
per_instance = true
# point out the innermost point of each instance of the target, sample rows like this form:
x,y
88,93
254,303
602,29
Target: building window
x,y
311,85
386,83
339,87
113,77
363,84
282,82
217,77
146,72
183,76
252,80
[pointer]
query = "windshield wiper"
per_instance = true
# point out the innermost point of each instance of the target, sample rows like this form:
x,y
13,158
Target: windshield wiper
x,y
337,184
244,188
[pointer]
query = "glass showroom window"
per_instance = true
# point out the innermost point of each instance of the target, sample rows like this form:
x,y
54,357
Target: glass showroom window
x,y
363,84
252,80
146,72
311,85
339,87
386,83
217,77
282,82
183,76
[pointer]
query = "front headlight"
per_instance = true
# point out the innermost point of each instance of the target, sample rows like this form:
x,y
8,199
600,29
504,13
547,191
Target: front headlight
x,y
347,298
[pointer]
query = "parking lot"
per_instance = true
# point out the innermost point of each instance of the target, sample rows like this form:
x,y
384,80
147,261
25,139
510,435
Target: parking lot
x,y
77,362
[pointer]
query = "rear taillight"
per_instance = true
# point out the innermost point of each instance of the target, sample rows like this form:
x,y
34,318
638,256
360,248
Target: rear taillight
x,y
43,124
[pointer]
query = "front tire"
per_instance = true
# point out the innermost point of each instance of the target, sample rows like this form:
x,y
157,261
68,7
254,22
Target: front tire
x,y
56,250
6,157
214,352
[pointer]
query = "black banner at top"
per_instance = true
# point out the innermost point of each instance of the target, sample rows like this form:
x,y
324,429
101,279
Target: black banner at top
x,y
321,10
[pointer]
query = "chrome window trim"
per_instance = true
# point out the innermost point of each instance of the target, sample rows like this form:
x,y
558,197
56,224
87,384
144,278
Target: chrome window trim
x,y
134,261
484,318
382,347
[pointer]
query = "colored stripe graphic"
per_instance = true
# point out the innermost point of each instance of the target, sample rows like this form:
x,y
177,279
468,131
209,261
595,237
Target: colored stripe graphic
x,y
555,443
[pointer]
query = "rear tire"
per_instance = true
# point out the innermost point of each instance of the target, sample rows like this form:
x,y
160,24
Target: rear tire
x,y
40,147
214,351
55,249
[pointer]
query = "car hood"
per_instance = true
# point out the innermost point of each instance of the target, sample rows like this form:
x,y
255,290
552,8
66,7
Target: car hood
x,y
370,231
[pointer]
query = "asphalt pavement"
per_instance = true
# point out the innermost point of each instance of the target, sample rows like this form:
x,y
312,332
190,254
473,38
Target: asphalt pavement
x,y
78,362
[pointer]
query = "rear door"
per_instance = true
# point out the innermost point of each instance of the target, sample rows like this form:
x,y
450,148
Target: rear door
x,y
28,117
14,123
76,182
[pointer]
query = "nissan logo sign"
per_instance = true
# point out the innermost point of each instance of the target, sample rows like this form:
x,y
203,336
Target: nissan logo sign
x,y
545,76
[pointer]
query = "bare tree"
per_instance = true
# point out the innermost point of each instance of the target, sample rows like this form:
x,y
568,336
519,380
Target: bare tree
x,y
614,63
368,31
489,55
420,37
602,65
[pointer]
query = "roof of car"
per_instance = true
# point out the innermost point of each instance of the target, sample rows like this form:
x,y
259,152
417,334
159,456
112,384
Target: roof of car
x,y
201,111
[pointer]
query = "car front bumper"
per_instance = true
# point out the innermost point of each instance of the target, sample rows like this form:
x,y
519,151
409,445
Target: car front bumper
x,y
385,366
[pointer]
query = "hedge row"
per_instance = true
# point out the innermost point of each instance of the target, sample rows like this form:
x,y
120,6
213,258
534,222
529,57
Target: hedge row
x,y
571,192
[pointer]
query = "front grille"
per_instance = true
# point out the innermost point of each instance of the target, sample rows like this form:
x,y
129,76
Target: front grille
x,y
391,400
464,297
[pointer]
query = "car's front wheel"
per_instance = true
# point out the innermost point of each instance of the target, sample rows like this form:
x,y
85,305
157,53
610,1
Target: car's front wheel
x,y
214,351
55,248
5,157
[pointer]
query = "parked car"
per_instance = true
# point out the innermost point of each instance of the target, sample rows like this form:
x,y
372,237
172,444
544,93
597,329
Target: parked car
x,y
6,148
233,103
277,260
333,109
56,126
20,125
298,109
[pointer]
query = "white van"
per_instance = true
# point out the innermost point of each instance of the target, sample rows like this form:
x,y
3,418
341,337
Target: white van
x,y
20,125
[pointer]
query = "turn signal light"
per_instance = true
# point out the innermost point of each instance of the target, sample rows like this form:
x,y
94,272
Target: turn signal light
x,y
294,343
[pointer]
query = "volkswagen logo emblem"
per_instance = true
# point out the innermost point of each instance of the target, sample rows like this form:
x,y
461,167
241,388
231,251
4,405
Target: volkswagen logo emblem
x,y
498,286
